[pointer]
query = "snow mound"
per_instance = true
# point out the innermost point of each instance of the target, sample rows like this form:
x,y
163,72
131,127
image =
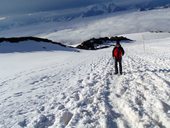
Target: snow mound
x,y
30,44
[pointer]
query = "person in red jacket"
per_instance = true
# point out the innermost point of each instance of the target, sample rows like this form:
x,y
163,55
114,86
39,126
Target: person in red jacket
x,y
117,54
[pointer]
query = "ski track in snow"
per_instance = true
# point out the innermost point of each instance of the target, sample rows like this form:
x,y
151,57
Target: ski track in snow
x,y
87,94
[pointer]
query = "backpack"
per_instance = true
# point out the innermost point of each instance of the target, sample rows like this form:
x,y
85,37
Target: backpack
x,y
117,53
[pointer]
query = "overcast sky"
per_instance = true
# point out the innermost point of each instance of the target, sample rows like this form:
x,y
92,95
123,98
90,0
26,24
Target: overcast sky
x,y
27,6
22,6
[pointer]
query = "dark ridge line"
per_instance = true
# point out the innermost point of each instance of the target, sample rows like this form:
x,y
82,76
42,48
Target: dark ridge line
x,y
93,42
86,45
159,31
28,38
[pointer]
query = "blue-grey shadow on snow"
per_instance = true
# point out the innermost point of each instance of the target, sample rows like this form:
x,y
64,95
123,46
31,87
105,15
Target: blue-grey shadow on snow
x,y
155,71
111,114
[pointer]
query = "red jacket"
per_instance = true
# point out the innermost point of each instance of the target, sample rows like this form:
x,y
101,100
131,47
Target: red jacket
x,y
118,52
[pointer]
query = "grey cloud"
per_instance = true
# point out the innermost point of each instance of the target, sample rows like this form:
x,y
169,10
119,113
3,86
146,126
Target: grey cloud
x,y
25,6
8,7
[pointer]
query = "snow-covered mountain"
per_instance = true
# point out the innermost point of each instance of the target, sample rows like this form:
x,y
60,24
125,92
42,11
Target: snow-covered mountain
x,y
99,9
77,13
111,7
81,29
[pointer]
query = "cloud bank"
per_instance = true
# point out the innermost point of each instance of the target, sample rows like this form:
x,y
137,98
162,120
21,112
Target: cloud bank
x,y
28,6
9,7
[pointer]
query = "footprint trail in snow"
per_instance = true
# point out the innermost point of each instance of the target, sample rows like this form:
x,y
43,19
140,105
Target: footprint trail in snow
x,y
82,91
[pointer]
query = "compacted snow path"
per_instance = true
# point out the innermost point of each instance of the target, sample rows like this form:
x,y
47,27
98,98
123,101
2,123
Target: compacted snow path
x,y
142,95
82,91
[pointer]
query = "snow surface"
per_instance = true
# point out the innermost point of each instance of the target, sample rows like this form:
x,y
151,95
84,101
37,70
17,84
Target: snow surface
x,y
56,89
26,49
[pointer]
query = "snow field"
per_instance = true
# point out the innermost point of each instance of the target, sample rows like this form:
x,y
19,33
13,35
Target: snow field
x,y
80,89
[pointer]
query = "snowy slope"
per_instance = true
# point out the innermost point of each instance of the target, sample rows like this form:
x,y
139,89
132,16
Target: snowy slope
x,y
9,52
58,89
31,46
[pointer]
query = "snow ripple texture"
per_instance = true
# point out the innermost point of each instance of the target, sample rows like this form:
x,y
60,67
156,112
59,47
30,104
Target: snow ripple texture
x,y
81,90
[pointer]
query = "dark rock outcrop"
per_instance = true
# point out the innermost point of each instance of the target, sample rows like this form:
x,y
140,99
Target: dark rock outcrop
x,y
103,42
29,38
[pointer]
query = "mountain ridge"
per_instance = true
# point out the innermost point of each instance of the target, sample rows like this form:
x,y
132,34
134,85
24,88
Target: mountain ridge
x,y
71,14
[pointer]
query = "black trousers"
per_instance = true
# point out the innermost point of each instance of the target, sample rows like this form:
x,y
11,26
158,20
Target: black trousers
x,y
116,66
